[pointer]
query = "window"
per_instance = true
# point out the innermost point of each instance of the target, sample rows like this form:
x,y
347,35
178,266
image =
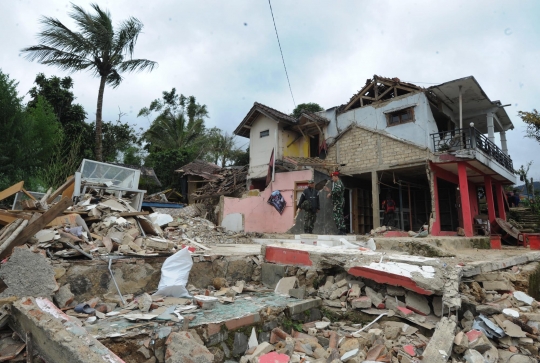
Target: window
x,y
400,117
265,133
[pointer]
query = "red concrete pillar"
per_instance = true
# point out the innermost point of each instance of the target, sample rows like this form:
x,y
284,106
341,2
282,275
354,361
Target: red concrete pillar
x,y
488,186
465,201
436,228
500,201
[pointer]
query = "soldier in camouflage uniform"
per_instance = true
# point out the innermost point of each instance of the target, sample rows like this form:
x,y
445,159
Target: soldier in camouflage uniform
x,y
338,200
309,203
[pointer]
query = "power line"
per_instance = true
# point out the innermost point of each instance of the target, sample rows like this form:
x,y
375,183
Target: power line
x,y
281,51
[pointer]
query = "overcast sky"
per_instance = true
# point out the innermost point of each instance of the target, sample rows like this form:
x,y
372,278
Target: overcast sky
x,y
226,54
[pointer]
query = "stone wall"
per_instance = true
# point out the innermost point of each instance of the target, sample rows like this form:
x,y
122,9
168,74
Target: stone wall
x,y
89,279
364,150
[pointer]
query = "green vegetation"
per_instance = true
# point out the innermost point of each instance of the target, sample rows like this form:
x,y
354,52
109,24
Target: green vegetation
x,y
29,136
306,107
95,46
44,141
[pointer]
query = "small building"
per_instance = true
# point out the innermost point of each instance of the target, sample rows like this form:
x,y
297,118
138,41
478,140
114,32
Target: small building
x,y
195,175
432,150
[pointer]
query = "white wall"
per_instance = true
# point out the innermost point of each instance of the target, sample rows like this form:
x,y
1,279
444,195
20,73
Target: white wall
x,y
374,117
260,148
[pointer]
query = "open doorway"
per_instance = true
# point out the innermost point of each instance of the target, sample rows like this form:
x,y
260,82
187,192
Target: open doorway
x,y
314,146
448,205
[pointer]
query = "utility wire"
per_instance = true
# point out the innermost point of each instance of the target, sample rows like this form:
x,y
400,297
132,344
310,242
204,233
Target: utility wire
x,y
281,51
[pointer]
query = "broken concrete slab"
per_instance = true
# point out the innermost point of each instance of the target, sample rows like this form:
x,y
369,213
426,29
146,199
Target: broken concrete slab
x,y
271,274
64,296
301,306
285,284
399,274
479,267
395,290
56,336
185,347
28,274
439,347
417,303
376,298
363,302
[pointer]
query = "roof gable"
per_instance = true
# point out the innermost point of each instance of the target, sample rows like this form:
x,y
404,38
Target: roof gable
x,y
379,89
257,110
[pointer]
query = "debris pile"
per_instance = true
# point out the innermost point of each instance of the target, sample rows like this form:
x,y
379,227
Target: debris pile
x,y
369,322
104,224
231,182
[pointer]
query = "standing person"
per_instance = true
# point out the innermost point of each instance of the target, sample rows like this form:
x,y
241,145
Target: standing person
x,y
338,200
309,202
510,198
516,198
389,207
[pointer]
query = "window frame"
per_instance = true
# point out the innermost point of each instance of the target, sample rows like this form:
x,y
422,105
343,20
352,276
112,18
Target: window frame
x,y
407,110
266,133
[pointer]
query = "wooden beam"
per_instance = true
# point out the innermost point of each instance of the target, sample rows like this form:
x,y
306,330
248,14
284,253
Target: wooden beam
x,y
133,214
385,92
61,189
28,194
403,88
36,226
15,188
359,96
6,217
375,88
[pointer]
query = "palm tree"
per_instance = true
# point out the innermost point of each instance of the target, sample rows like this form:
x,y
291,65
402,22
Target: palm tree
x,y
180,123
96,46
221,146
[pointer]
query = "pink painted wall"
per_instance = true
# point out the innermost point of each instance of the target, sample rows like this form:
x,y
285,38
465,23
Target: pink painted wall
x,y
259,216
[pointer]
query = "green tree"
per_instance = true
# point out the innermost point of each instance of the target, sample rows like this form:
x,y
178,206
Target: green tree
x,y
77,143
132,156
306,107
221,147
240,157
97,46
165,163
179,123
532,119
118,137
28,136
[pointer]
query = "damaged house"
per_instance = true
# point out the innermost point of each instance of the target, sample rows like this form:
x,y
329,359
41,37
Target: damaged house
x,y
432,150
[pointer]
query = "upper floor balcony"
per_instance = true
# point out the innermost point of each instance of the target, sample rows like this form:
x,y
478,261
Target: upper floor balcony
x,y
470,139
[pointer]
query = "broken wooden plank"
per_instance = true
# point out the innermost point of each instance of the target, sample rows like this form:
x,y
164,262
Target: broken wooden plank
x,y
36,226
8,230
14,235
61,189
11,190
133,214
28,194
77,248
197,244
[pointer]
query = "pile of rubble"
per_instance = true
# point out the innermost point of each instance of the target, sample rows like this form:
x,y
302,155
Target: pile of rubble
x,y
495,324
102,225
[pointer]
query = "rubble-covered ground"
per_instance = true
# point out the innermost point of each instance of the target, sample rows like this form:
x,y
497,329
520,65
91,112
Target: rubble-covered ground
x,y
99,261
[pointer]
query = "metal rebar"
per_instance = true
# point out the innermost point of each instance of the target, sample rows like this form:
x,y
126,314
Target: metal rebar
x,y
115,284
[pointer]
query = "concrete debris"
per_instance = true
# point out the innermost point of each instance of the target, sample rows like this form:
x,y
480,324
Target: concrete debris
x,y
288,302
28,274
186,347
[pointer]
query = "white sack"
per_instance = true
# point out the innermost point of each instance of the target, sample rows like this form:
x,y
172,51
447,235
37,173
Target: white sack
x,y
175,274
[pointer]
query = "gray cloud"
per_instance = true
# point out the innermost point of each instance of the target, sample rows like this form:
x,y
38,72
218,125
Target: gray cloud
x,y
226,54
